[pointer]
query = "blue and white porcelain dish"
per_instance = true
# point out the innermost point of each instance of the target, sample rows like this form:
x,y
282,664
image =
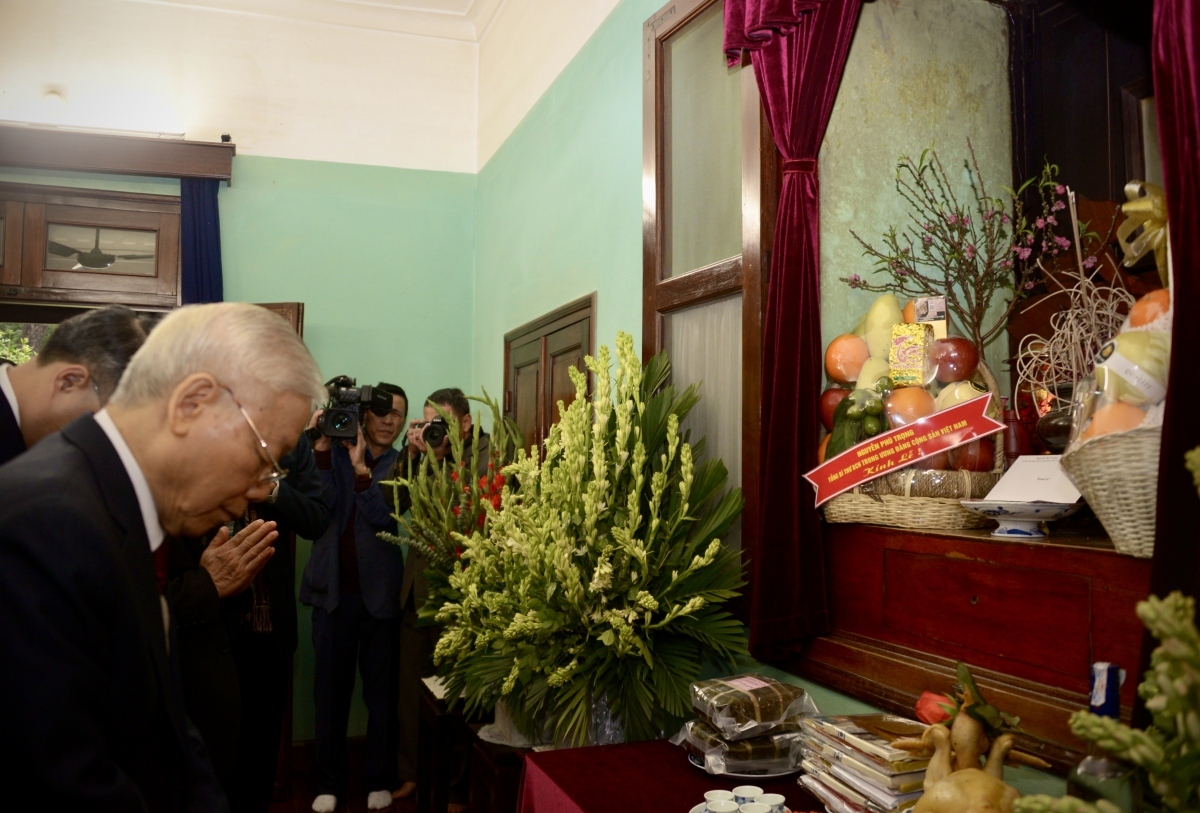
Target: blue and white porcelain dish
x,y
1021,520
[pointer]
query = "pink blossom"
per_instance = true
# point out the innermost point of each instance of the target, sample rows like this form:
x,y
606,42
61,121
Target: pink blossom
x,y
1029,286
854,280
1006,263
1062,242
970,252
1052,220
928,227
927,240
1024,253
1058,190
951,219
1058,204
1041,223
1029,239
1004,219
1089,262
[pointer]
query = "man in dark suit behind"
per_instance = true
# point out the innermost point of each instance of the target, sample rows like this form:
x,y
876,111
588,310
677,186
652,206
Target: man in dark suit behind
x,y
91,713
75,372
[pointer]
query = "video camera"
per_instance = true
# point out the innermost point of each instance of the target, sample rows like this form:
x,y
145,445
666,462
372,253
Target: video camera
x,y
347,401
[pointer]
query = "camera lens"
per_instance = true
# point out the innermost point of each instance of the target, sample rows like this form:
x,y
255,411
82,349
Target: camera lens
x,y
341,421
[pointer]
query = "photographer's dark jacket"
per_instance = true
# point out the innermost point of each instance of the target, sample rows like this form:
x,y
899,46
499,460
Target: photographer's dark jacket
x,y
380,563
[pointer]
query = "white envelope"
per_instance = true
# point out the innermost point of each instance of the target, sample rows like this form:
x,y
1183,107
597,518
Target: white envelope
x,y
1035,478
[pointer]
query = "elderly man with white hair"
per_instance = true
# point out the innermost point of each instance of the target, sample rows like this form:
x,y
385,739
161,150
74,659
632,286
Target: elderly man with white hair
x,y
92,718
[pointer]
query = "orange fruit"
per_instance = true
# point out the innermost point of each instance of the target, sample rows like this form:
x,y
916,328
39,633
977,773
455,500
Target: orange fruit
x,y
845,356
910,311
1149,307
1115,417
908,404
821,449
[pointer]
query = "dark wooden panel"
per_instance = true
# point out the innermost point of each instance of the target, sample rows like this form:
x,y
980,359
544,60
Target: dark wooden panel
x,y
525,384
43,148
10,254
565,349
711,282
292,313
34,238
922,607
1029,616
105,198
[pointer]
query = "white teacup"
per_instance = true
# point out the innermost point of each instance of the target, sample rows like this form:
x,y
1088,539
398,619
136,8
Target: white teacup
x,y
744,794
755,807
718,796
775,801
723,806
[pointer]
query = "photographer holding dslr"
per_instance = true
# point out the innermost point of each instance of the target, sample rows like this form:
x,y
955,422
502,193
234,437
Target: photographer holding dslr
x,y
352,582
427,436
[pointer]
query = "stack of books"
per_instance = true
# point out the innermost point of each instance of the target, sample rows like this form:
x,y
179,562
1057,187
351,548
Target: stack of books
x,y
851,766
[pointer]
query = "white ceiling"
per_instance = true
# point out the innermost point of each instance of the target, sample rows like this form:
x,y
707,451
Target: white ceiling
x,y
462,20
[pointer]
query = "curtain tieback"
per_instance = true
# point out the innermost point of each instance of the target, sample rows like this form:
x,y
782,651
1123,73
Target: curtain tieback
x,y
800,165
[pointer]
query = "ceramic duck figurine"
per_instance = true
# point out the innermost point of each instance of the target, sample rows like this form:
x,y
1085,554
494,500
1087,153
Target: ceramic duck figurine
x,y
954,782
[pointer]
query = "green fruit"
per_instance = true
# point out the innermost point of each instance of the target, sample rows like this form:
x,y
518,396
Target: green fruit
x,y
873,406
855,412
872,425
885,383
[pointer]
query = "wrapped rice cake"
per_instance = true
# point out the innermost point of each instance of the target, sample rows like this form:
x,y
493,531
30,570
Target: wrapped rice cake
x,y
771,753
746,706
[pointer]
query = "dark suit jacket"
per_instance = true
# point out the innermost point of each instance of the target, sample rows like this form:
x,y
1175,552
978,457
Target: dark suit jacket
x,y
90,708
211,689
12,442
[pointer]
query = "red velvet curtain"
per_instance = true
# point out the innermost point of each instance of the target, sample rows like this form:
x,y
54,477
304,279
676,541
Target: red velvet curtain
x,y
1176,563
799,49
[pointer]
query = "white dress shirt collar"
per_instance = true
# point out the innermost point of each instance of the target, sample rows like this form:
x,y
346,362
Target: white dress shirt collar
x,y
154,529
9,392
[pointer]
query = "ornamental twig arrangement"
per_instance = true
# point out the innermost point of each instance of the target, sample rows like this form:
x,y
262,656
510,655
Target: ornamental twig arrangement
x,y
600,579
1092,315
970,251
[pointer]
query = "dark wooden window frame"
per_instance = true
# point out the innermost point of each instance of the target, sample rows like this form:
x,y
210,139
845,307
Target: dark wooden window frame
x,y
745,274
569,314
23,277
49,148
885,667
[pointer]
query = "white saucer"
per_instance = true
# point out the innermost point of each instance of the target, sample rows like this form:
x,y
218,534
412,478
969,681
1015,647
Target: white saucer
x,y
697,763
1021,519
700,808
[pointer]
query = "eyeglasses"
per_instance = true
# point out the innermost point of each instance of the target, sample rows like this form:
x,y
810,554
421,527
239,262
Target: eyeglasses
x,y
277,472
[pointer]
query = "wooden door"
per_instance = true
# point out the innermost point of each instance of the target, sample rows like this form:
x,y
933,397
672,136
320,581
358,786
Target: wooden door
x,y
538,357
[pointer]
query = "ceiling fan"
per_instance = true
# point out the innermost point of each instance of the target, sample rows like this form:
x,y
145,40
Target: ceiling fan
x,y
93,258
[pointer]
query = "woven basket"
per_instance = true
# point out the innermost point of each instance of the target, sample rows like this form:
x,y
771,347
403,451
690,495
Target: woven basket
x,y
904,511
1118,476
873,505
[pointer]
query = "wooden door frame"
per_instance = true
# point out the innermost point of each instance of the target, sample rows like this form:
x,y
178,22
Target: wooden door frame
x,y
746,274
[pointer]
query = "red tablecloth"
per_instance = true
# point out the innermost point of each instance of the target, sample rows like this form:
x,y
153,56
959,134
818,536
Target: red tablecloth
x,y
642,777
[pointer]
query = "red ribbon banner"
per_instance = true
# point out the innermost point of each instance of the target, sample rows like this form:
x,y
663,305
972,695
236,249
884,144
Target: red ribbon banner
x,y
903,446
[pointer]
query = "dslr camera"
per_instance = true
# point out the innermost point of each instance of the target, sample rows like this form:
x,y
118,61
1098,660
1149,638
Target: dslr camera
x,y
434,432
347,402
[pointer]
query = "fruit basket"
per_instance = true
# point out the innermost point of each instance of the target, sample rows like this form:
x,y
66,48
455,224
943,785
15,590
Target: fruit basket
x,y
921,499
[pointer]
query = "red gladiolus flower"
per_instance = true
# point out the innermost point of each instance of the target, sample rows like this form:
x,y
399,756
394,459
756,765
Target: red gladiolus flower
x,y
498,482
454,476
482,519
457,511
496,501
483,483
928,710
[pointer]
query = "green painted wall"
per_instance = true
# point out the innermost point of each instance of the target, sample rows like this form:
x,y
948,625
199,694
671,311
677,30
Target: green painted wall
x,y
559,206
919,73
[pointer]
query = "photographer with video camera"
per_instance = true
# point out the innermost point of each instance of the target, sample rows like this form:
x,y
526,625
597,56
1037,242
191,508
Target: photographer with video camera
x,y
352,581
429,435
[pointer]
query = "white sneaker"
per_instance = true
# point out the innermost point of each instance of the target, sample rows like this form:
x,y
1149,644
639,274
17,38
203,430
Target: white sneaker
x,y
325,803
379,799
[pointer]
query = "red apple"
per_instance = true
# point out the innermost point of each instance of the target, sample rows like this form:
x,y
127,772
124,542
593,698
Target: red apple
x,y
941,460
829,402
955,359
979,455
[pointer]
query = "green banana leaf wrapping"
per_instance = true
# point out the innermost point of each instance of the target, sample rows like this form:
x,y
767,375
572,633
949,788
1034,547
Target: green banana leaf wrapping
x,y
770,753
751,705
